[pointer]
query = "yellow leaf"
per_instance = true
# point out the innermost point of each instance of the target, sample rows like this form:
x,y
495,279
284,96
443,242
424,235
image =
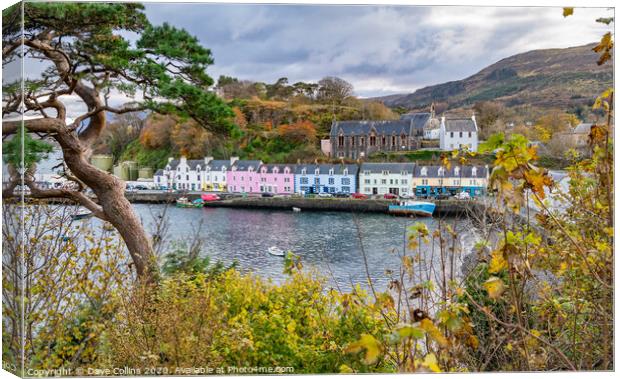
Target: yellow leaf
x,y
430,361
494,286
344,369
368,343
498,263
568,11
433,332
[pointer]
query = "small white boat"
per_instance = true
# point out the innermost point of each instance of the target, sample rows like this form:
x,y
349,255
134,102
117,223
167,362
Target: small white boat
x,y
274,250
295,209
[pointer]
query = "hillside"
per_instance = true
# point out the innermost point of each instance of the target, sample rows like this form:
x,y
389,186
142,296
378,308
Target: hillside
x,y
550,78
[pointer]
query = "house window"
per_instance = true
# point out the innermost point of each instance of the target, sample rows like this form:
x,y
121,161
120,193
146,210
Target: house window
x,y
331,171
303,180
363,141
460,134
441,182
353,141
187,177
345,171
345,181
383,140
393,140
317,171
346,189
303,171
383,181
403,181
340,141
287,180
456,171
317,181
373,140
473,171
403,140
385,172
366,181
366,172
423,171
456,182
469,134
424,182
451,134
198,177
263,180
331,181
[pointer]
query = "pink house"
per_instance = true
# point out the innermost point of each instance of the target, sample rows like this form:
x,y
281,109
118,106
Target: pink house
x,y
244,177
277,178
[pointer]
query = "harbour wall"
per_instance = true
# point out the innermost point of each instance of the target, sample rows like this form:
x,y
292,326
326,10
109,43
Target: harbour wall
x,y
449,207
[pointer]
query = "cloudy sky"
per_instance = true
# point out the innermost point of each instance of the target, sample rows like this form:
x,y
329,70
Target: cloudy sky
x,y
381,50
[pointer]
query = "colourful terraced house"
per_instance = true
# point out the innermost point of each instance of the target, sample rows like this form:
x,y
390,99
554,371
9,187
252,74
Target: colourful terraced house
x,y
277,178
435,180
244,177
325,178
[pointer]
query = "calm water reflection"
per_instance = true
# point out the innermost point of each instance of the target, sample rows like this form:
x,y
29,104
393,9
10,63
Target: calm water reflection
x,y
321,239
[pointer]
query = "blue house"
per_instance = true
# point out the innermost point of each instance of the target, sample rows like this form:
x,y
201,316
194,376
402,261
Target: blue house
x,y
325,178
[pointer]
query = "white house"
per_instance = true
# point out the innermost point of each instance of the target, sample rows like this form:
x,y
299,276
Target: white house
x,y
194,174
382,178
458,133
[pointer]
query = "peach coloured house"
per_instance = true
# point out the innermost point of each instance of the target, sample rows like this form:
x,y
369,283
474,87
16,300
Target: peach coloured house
x,y
277,178
243,177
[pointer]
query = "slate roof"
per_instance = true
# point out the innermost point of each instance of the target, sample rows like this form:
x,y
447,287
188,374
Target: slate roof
x,y
280,166
460,125
173,164
395,167
159,172
464,172
244,165
193,163
324,169
418,120
387,127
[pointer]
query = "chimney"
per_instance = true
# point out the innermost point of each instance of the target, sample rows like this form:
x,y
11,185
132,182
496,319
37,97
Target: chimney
x,y
208,160
433,110
233,160
183,160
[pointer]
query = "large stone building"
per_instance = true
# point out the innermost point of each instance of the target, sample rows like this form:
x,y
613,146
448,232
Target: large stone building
x,y
359,139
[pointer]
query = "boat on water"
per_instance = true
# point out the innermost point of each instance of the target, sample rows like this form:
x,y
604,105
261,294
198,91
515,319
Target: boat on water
x,y
274,250
81,216
415,208
183,202
295,209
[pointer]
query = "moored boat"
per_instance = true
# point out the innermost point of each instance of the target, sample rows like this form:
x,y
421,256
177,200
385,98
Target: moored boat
x,y
416,208
183,202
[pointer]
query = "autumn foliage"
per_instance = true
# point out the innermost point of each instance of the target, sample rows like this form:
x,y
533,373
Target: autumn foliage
x,y
299,132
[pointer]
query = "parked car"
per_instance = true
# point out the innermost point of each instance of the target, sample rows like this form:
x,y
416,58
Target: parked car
x,y
209,197
463,196
358,195
266,194
140,187
341,194
406,196
390,196
325,194
443,196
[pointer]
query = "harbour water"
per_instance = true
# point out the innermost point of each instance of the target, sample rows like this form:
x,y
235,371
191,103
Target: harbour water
x,y
330,242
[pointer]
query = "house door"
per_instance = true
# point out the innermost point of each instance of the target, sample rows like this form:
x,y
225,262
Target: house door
x,y
374,190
